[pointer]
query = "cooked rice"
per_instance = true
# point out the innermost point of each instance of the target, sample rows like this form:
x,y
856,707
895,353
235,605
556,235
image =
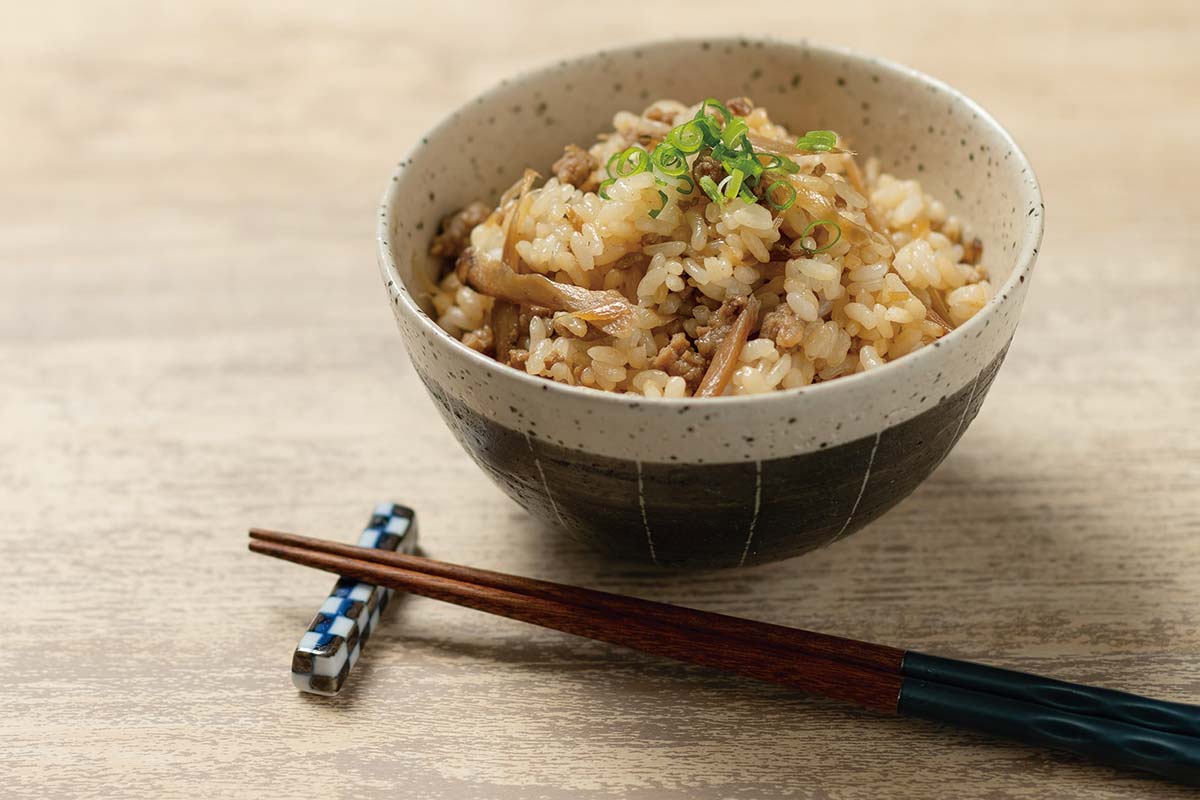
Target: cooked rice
x,y
874,296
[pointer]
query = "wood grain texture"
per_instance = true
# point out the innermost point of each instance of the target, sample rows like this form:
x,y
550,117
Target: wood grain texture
x,y
193,340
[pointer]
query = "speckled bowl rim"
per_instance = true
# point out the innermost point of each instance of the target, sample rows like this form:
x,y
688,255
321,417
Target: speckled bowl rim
x,y
1023,264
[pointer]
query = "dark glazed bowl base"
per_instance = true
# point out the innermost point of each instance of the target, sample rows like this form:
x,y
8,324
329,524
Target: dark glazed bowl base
x,y
723,514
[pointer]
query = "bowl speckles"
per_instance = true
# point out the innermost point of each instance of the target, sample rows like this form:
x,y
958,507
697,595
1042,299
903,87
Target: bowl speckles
x,y
731,480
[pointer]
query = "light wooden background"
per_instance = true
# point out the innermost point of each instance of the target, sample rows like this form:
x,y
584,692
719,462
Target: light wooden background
x,y
193,339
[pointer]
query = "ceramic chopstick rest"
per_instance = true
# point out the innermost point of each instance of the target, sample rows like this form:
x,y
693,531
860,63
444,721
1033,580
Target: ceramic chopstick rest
x,y
334,641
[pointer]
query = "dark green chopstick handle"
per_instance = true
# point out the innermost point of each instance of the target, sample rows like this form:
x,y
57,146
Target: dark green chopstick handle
x,y
1110,742
1145,712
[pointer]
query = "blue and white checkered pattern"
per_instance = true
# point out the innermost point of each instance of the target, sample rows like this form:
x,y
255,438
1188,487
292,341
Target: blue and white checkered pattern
x,y
334,641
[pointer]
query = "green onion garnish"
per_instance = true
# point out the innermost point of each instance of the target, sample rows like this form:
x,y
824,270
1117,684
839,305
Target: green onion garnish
x,y
612,160
689,137
786,204
654,214
734,130
817,141
633,161
727,117
732,184
712,131
669,160
776,162
727,138
750,165
710,188
828,224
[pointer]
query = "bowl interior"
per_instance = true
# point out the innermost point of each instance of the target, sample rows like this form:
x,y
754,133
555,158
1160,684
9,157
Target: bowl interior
x,y
918,127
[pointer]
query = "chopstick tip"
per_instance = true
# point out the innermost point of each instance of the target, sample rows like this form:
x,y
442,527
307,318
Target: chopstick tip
x,y
255,546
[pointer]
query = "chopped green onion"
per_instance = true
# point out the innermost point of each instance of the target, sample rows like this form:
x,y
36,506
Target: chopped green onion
x,y
828,224
748,164
734,159
727,138
632,161
689,137
608,168
786,204
669,160
710,188
734,130
719,106
654,214
777,162
732,184
712,131
817,141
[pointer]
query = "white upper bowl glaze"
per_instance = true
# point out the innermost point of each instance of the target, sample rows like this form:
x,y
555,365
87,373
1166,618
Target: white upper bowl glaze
x,y
539,438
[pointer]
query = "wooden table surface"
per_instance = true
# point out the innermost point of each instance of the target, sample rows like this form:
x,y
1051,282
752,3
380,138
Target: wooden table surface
x,y
194,339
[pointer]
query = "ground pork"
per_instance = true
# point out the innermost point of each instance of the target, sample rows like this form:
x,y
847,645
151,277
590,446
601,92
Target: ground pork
x,y
678,358
780,251
480,339
709,336
740,106
575,167
706,165
659,114
972,251
783,327
636,259
455,233
517,358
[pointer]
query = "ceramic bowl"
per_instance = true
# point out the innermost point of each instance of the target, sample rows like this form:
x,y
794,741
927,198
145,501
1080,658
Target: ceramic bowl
x,y
734,480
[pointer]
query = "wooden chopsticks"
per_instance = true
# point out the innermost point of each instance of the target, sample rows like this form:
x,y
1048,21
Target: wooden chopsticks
x,y
792,657
1106,725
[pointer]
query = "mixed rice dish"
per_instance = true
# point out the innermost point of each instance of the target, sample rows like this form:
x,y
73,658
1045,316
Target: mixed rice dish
x,y
699,251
